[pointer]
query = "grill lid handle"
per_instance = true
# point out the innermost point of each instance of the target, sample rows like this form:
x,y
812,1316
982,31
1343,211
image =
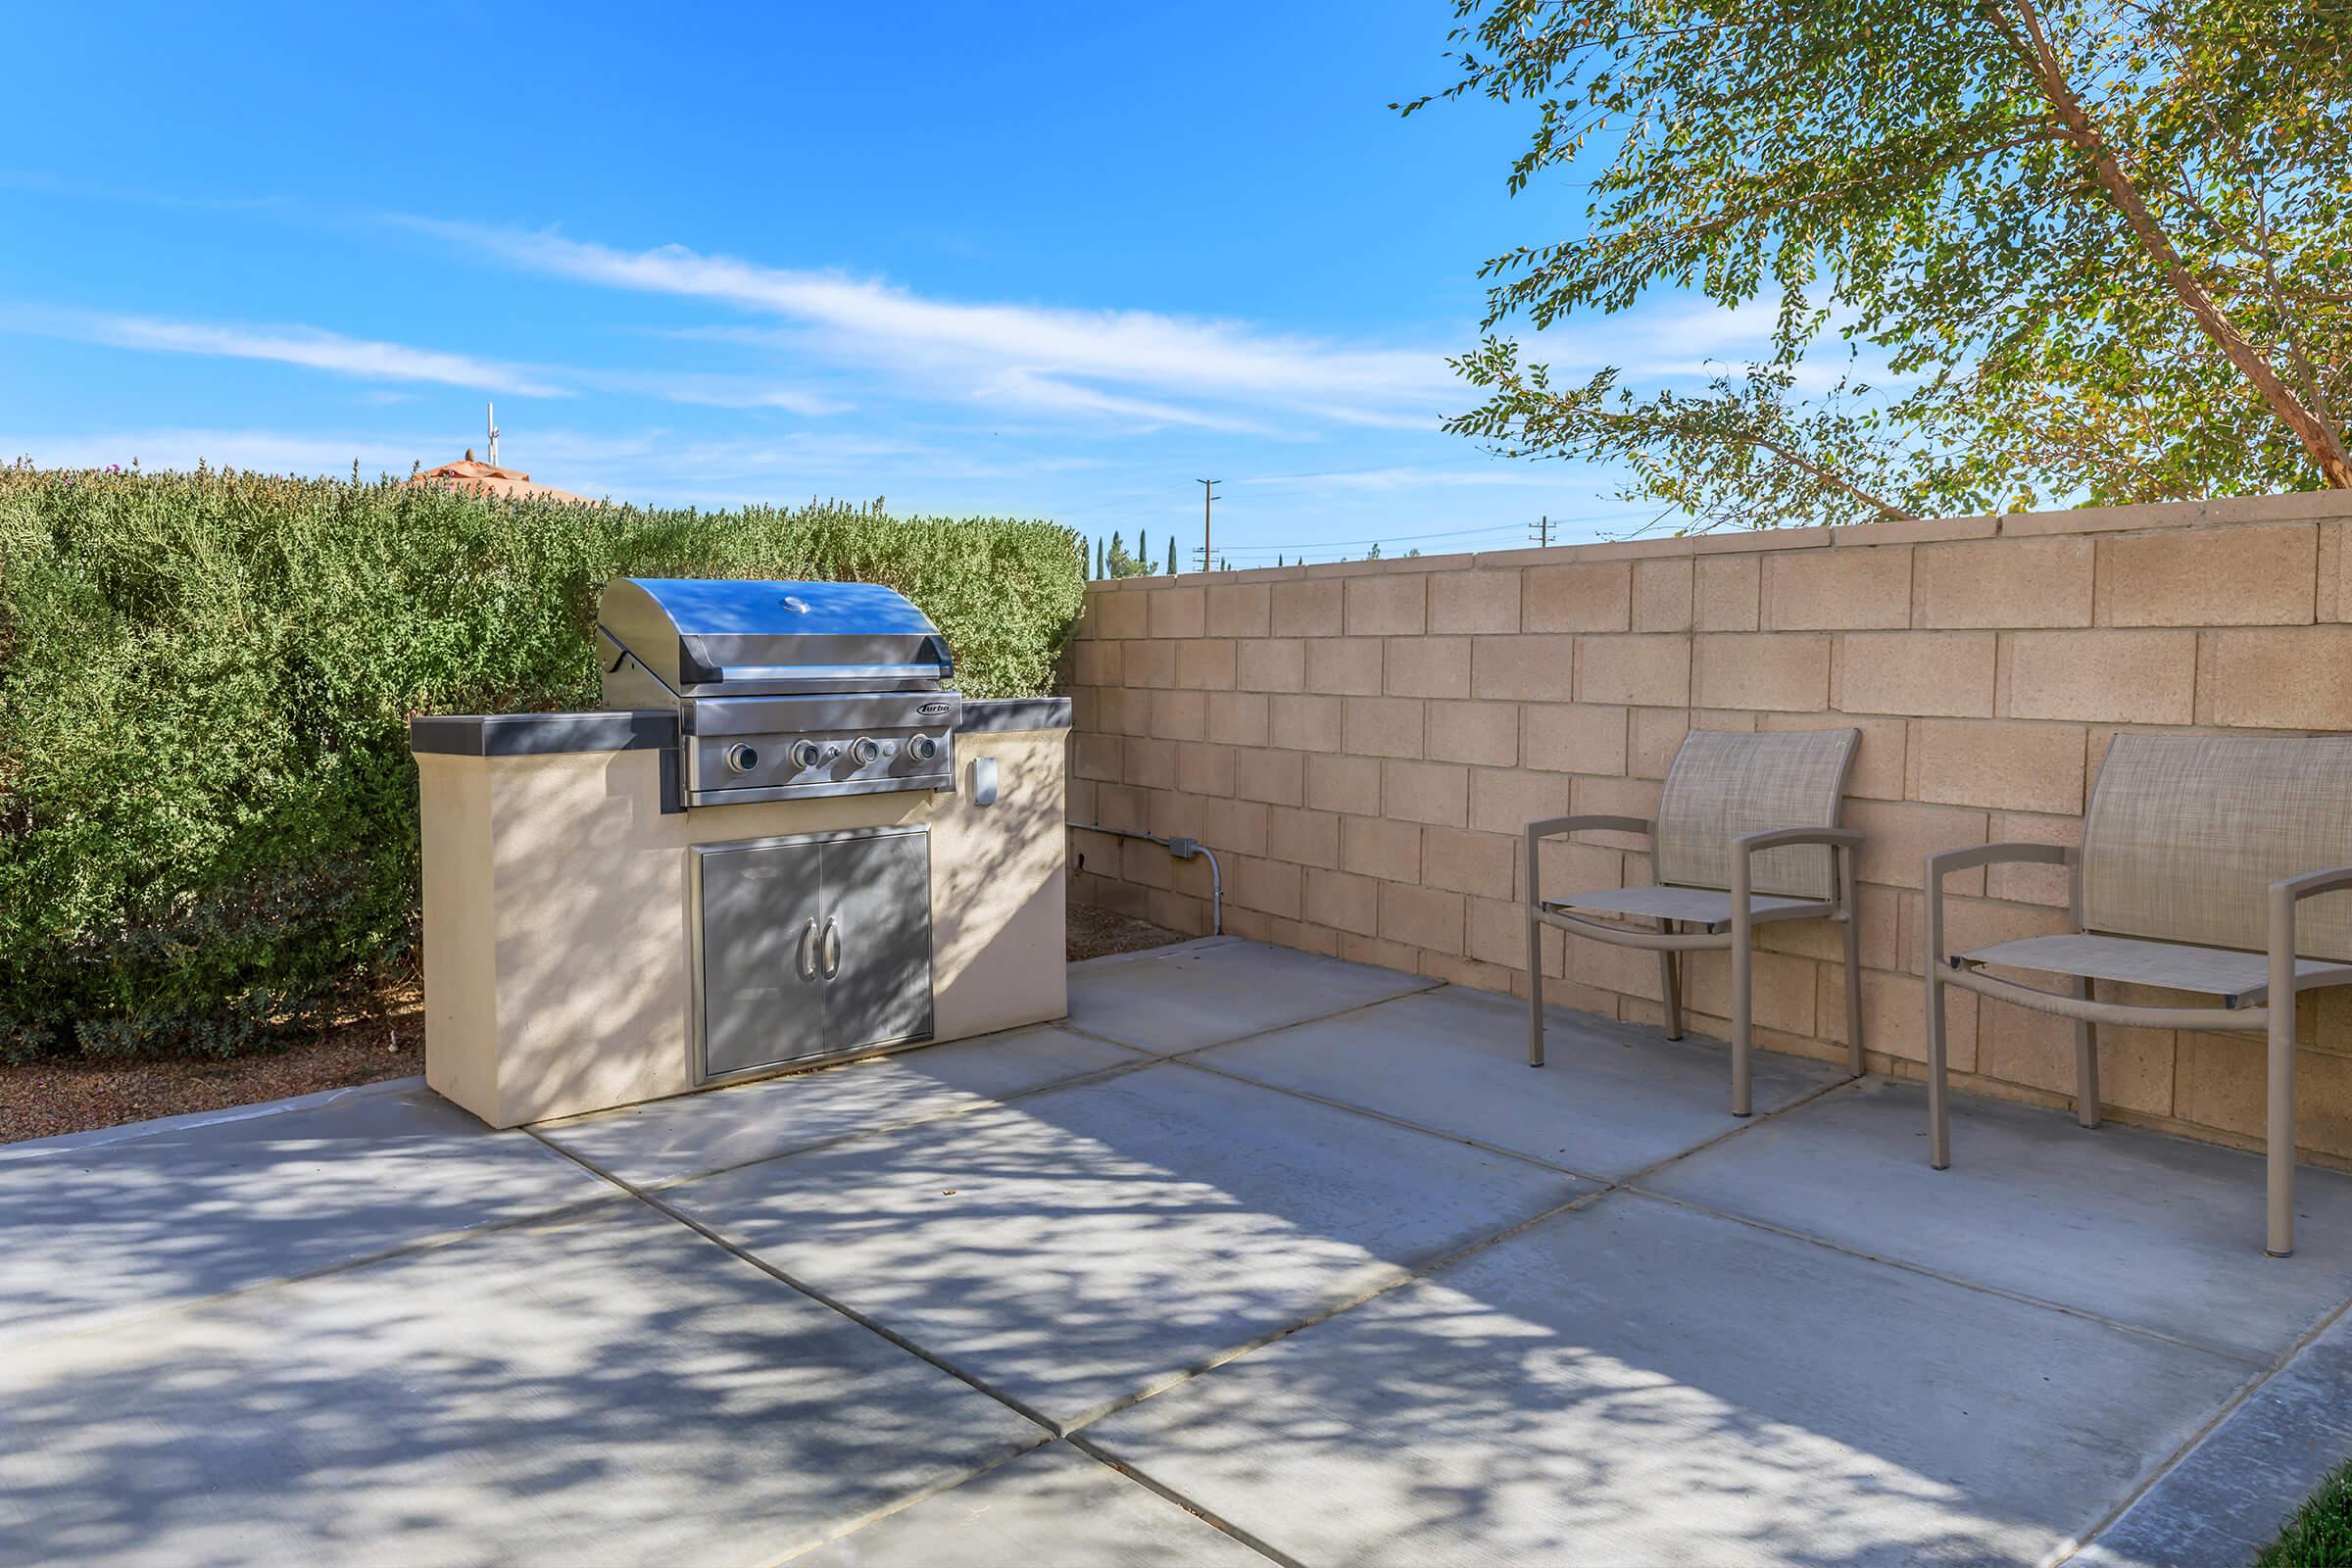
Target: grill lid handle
x,y
722,673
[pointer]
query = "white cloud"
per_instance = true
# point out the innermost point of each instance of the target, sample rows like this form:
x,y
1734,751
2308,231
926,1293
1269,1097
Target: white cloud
x,y
1030,390
1132,364
308,346
707,390
316,348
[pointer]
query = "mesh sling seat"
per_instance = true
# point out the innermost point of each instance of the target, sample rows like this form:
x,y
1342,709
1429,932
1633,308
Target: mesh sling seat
x,y
2216,865
1746,833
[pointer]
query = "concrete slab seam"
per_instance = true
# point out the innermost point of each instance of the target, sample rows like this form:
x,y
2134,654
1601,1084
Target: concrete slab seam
x,y
2195,1440
814,1069
882,1512
1117,1069
1406,1276
1149,1483
1426,985
1145,1057
1424,988
1434,1265
821,1298
1392,1120
2137,1329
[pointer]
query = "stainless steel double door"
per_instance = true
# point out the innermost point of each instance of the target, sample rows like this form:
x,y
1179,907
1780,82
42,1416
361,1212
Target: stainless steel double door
x,y
812,946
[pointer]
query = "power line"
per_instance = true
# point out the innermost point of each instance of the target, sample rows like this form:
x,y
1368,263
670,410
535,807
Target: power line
x,y
1383,540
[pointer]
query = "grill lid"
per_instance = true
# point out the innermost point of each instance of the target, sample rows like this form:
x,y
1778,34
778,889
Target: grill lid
x,y
715,637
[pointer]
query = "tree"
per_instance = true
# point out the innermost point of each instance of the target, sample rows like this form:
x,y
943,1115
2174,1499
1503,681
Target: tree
x,y
1100,571
2102,245
1171,555
1123,564
1143,551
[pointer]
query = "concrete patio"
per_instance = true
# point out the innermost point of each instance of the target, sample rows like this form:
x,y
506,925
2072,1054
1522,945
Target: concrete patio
x,y
1258,1256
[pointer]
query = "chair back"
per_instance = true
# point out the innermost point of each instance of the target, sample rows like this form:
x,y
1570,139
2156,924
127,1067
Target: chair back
x,y
1724,785
2185,833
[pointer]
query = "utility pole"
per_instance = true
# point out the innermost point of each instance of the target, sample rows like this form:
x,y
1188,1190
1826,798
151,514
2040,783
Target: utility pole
x,y
1209,493
1540,532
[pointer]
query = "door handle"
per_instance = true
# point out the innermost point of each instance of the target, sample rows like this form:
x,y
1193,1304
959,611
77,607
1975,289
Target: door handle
x,y
806,959
831,948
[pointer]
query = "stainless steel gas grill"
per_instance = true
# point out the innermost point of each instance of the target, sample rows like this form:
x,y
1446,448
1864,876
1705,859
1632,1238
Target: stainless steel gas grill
x,y
784,690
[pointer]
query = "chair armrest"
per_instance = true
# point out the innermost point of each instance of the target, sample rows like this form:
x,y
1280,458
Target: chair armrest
x,y
1944,862
2311,884
1583,822
1846,838
1588,822
2285,896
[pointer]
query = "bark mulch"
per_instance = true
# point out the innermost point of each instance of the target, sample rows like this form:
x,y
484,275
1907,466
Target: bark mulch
x,y
43,1098
1095,933
47,1097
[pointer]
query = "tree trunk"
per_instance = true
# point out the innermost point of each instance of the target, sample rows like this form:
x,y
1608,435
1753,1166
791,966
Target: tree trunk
x,y
2323,443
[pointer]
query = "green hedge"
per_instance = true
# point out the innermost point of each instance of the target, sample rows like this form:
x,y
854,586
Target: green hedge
x,y
206,796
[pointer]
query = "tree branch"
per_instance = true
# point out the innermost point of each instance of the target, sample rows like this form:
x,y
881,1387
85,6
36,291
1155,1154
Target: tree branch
x,y
1820,474
2323,444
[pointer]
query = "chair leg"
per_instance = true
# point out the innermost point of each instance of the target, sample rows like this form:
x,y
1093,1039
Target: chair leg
x,y
1742,1104
1535,989
2281,1151
1940,1112
1853,967
1670,984
2087,1065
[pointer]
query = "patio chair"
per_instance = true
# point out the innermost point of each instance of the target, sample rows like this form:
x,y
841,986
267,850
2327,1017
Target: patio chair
x,y
1746,833
2198,856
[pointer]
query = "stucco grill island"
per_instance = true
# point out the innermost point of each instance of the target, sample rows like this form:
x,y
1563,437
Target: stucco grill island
x,y
785,839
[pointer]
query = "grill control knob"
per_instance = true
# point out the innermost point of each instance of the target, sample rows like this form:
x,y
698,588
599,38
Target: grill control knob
x,y
923,748
806,755
864,749
742,759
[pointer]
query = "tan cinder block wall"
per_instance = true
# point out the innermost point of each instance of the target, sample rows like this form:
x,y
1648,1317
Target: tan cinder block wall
x,y
1361,744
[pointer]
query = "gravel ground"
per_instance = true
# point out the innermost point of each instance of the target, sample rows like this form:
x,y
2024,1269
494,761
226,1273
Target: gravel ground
x,y
1095,932
49,1098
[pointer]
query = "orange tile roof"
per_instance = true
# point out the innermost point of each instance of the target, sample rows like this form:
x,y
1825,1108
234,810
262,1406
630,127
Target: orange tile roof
x,y
468,474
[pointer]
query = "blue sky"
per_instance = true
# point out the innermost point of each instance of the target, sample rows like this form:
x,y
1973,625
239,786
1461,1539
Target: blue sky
x,y
1042,261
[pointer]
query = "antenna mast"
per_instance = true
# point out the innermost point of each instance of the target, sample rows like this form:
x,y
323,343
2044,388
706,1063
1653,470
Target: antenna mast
x,y
493,423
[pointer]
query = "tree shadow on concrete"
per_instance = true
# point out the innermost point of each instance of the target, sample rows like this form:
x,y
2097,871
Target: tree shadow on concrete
x,y
610,1389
